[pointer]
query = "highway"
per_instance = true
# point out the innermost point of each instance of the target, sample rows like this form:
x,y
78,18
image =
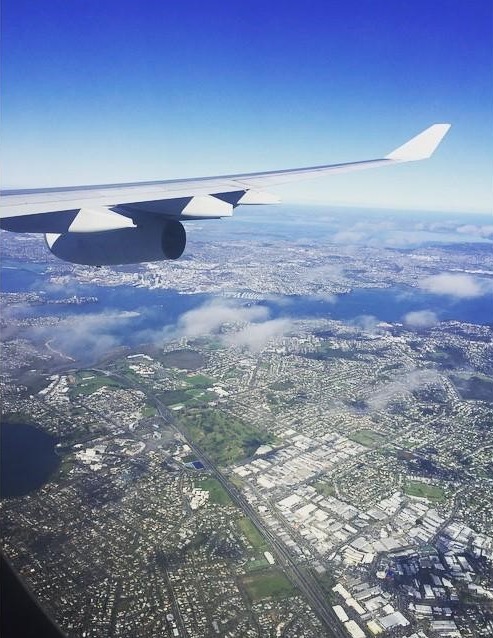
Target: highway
x,y
303,580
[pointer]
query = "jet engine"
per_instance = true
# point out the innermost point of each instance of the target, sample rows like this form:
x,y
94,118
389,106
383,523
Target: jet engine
x,y
152,242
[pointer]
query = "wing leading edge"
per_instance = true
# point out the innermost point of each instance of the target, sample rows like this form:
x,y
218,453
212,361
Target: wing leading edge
x,y
117,223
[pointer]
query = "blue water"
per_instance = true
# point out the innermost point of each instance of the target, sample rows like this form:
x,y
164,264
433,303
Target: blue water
x,y
389,304
160,307
28,459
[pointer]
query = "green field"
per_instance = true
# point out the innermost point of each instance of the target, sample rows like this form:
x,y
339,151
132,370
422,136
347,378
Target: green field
x,y
327,489
199,397
369,438
66,465
325,352
223,437
199,381
172,397
282,385
237,481
190,397
149,410
207,343
183,359
87,383
252,534
423,490
476,387
270,583
326,580
256,564
217,493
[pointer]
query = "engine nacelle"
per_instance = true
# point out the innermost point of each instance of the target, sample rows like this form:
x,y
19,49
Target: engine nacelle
x,y
153,242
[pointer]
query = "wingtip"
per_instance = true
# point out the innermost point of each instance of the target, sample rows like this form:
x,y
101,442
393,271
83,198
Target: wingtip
x,y
422,146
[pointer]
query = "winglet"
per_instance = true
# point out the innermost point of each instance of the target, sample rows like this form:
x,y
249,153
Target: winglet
x,y
420,147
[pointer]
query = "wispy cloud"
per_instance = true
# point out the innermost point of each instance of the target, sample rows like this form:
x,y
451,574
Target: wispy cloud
x,y
349,237
257,335
486,230
458,285
402,387
420,319
87,336
248,326
369,324
211,316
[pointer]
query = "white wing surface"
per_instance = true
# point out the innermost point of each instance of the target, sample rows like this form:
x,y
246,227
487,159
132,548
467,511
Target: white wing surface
x,y
82,210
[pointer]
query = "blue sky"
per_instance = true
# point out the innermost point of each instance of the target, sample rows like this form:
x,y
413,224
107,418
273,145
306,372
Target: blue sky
x,y
112,91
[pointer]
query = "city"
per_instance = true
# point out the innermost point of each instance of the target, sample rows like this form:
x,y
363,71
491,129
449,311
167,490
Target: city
x,y
273,476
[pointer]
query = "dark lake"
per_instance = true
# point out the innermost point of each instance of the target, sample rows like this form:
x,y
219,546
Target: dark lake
x,y
28,459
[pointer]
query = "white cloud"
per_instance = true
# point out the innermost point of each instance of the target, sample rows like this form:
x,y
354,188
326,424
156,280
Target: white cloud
x,y
251,328
368,324
322,274
441,227
485,230
208,318
90,336
402,387
420,319
454,284
86,336
318,279
257,335
348,237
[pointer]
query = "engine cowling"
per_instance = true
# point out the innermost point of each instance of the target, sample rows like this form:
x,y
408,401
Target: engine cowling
x,y
153,242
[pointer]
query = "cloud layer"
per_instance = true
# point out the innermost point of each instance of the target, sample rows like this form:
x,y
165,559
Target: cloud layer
x,y
88,337
486,230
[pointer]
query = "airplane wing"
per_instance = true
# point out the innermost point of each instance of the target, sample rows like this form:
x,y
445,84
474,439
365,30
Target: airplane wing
x,y
122,221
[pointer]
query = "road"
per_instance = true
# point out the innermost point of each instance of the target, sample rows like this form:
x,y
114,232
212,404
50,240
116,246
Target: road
x,y
304,581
